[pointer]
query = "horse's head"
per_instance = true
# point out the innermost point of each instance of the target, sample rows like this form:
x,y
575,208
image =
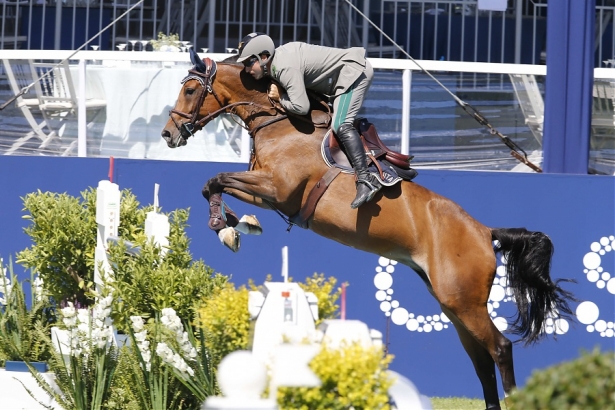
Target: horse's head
x,y
198,102
193,104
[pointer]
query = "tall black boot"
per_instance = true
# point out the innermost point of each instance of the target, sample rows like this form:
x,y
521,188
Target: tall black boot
x,y
367,185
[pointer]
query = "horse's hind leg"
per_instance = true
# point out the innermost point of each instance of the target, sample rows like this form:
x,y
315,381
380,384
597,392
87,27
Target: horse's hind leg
x,y
483,359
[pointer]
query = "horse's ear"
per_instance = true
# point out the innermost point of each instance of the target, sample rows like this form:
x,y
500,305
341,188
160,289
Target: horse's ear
x,y
196,60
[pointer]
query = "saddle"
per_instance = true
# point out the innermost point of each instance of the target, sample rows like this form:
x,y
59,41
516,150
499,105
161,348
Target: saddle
x,y
374,147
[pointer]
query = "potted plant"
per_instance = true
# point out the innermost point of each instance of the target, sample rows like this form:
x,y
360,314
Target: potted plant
x,y
166,42
22,329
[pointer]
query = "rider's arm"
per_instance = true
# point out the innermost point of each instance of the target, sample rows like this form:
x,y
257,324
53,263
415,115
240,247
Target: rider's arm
x,y
294,96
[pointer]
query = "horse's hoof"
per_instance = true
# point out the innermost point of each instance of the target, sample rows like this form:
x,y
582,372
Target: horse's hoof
x,y
249,225
230,238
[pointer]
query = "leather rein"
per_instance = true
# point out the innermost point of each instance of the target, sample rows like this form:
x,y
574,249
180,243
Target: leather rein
x,y
205,75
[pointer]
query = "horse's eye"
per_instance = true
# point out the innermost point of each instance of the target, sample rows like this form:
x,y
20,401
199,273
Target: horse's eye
x,y
190,91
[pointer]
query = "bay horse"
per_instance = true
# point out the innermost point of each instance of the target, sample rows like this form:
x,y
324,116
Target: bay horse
x,y
454,254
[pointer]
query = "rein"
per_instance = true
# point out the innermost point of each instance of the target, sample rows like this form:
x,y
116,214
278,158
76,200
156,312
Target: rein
x,y
205,75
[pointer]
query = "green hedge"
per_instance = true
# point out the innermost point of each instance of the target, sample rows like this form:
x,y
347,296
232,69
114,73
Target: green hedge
x,y
586,383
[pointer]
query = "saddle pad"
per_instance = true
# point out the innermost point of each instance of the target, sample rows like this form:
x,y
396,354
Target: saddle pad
x,y
390,175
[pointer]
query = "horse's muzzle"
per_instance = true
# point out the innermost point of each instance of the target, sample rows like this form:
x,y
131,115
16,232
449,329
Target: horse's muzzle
x,y
178,141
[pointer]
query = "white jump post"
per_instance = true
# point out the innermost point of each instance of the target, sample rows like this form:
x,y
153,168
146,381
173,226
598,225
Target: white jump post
x,y
108,219
157,225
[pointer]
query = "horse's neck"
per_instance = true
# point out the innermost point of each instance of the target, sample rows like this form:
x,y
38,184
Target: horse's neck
x,y
260,111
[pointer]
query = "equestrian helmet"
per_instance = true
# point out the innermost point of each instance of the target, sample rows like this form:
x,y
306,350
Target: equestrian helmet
x,y
253,45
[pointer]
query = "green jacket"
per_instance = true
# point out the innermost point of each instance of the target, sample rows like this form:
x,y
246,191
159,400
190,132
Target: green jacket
x,y
299,66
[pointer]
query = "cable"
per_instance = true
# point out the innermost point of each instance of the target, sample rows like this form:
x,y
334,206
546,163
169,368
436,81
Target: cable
x,y
516,151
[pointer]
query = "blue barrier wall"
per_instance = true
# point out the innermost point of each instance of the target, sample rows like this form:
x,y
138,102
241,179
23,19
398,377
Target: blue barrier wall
x,y
576,211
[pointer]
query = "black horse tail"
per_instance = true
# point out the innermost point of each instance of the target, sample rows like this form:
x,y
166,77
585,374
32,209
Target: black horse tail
x,y
528,262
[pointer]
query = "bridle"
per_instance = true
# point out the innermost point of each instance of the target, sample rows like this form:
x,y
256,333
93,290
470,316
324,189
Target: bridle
x,y
205,76
204,71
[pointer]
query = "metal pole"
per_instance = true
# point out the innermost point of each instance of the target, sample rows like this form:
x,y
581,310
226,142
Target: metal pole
x,y
405,111
81,113
212,25
365,32
58,33
518,25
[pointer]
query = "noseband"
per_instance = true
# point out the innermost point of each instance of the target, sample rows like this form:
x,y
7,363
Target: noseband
x,y
204,74
205,78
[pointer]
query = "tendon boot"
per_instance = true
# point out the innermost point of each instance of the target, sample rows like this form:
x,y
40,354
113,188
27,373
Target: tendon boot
x,y
367,185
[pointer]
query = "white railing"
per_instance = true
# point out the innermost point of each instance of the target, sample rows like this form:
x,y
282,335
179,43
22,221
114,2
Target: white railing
x,y
473,77
427,29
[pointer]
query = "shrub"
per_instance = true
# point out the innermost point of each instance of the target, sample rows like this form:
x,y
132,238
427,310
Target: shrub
x,y
63,232
585,383
226,321
145,284
353,377
327,295
23,331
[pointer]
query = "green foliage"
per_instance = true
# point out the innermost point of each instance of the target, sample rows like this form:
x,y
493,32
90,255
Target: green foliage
x,y
163,40
82,378
353,377
327,295
23,331
63,233
166,366
459,403
586,383
124,387
148,283
226,322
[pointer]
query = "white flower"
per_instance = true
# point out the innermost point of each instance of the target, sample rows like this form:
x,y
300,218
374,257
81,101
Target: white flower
x,y
70,321
69,311
83,315
137,323
174,359
141,336
38,288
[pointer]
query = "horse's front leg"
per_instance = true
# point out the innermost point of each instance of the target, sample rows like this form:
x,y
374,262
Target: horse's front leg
x,y
253,186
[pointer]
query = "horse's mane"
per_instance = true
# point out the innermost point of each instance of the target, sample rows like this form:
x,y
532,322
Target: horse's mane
x,y
231,60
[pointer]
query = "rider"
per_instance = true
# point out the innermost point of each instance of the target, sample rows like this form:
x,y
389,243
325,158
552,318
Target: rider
x,y
342,74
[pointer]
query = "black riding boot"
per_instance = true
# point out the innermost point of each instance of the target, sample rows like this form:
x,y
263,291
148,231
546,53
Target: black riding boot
x,y
367,185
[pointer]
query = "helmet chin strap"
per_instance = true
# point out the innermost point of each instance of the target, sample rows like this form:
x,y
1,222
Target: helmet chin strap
x,y
265,65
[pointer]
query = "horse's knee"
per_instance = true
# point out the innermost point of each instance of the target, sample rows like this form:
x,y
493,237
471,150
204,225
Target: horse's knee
x,y
210,187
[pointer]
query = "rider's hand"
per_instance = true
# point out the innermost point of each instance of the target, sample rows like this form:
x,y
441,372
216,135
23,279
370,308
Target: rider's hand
x,y
274,92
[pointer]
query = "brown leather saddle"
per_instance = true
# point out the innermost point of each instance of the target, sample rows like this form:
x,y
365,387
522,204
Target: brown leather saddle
x,y
373,145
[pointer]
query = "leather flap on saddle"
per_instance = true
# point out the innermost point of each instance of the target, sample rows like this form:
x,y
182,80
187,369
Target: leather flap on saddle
x,y
375,144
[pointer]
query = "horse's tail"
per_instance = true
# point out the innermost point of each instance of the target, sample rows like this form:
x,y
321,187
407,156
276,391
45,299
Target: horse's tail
x,y
528,262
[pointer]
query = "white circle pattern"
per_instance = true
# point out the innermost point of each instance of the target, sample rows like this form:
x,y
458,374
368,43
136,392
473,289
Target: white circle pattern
x,y
500,292
588,312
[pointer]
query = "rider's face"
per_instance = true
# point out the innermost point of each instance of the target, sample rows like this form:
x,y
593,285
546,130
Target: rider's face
x,y
253,67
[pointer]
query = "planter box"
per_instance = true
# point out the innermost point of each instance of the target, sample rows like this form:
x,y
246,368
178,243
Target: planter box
x,y
14,394
17,366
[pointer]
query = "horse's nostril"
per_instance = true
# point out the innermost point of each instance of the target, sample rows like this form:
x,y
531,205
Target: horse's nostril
x,y
165,134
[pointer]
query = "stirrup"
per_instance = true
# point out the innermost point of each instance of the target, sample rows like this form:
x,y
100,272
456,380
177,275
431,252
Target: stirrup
x,y
360,199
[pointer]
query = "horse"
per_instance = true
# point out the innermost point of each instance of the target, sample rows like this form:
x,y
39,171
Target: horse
x,y
453,253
